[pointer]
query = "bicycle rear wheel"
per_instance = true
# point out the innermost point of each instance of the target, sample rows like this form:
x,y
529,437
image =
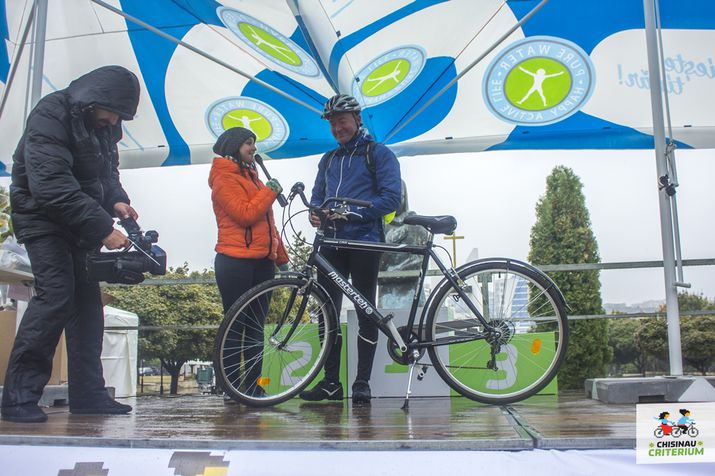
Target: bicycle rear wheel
x,y
527,310
273,341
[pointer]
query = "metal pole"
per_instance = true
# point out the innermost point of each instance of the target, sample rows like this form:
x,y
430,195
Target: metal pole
x,y
666,218
16,61
204,54
38,59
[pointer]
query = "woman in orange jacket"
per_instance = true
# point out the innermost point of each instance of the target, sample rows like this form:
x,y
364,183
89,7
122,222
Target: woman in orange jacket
x,y
249,246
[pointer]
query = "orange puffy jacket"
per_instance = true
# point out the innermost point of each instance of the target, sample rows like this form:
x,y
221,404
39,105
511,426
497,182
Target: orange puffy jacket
x,y
244,213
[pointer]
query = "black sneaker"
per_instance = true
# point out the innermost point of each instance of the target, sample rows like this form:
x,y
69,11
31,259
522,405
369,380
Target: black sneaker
x,y
324,390
27,413
361,392
102,407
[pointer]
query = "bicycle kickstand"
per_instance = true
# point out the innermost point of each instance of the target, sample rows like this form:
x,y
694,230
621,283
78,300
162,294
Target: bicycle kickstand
x,y
406,405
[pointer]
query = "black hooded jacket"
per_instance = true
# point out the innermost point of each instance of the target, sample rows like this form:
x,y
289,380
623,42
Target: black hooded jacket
x,y
65,177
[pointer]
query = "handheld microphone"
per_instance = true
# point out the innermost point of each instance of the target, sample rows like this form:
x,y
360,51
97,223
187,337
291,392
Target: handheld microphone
x,y
282,201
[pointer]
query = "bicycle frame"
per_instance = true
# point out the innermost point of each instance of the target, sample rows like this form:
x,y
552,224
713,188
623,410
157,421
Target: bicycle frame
x,y
384,322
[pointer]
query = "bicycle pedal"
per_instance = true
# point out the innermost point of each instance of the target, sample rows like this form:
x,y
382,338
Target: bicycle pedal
x,y
422,372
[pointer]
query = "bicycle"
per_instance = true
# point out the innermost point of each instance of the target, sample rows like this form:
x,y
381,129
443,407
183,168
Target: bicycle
x,y
495,329
676,430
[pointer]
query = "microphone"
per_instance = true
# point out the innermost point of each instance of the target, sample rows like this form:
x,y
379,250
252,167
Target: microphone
x,y
282,201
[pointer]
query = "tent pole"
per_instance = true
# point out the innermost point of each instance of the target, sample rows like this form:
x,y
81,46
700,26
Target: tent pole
x,y
38,60
666,218
156,31
16,61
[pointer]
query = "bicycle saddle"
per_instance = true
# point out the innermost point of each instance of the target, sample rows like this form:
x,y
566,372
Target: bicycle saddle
x,y
438,224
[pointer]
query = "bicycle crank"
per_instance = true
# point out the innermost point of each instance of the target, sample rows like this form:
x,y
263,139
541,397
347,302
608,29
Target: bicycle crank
x,y
403,358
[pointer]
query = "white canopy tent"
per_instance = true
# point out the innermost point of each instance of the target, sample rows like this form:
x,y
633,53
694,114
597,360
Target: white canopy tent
x,y
119,351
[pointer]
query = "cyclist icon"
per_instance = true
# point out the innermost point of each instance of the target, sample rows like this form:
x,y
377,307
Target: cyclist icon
x,y
666,427
245,120
282,50
538,86
381,79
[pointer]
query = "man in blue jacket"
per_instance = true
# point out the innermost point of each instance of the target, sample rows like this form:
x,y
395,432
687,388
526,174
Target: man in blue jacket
x,y
362,169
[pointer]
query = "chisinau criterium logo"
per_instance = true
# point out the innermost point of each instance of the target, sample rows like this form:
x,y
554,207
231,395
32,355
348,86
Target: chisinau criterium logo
x,y
539,80
270,127
268,42
388,75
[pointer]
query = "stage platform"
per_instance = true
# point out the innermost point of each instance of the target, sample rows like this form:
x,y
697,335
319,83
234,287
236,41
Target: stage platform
x,y
196,422
203,435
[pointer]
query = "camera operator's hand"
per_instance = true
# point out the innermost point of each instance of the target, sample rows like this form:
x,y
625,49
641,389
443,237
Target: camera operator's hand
x,y
115,240
124,210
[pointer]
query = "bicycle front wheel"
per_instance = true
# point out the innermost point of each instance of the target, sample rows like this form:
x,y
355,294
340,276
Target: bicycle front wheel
x,y
274,340
524,353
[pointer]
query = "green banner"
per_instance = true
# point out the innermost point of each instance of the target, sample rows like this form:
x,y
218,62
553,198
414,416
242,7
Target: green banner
x,y
519,364
282,368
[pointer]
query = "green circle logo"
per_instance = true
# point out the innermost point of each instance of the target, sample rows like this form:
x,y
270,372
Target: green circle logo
x,y
538,84
537,81
385,77
250,120
269,44
388,75
270,127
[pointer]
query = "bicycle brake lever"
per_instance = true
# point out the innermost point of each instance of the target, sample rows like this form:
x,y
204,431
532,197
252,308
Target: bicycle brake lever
x,y
348,213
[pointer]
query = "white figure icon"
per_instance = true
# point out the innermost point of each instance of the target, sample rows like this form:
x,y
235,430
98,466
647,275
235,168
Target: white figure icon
x,y
245,121
278,49
381,79
538,87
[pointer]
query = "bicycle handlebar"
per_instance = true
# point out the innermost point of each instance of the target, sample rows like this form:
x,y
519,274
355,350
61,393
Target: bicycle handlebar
x,y
348,201
299,189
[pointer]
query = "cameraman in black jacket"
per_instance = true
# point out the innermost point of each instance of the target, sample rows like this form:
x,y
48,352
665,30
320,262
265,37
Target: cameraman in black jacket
x,y
64,194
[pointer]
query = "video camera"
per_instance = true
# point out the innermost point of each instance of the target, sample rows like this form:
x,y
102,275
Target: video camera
x,y
128,266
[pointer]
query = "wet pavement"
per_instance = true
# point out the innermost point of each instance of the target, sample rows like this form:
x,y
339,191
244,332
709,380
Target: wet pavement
x,y
554,422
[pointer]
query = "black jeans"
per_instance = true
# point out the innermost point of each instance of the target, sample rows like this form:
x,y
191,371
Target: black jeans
x,y
65,299
235,276
362,268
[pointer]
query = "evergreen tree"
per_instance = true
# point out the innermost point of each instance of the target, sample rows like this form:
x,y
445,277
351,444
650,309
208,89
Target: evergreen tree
x,y
562,235
298,252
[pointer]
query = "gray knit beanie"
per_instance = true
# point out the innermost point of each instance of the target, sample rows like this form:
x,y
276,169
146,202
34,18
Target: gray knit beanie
x,y
231,140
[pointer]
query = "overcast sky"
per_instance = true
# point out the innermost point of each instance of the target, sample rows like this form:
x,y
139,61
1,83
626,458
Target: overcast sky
x,y
493,196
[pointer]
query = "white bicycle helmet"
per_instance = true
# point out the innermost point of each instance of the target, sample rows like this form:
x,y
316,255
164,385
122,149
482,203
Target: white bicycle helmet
x,y
340,103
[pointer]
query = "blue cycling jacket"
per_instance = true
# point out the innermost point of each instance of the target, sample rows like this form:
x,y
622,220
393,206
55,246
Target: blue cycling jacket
x,y
348,175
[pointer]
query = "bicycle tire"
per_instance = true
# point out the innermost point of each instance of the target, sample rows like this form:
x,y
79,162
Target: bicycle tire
x,y
534,330
294,347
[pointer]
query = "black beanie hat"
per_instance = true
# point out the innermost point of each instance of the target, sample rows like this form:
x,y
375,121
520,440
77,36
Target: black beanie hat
x,y
231,140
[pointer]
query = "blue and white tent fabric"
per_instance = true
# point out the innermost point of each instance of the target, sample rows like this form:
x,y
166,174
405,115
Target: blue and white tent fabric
x,y
575,75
